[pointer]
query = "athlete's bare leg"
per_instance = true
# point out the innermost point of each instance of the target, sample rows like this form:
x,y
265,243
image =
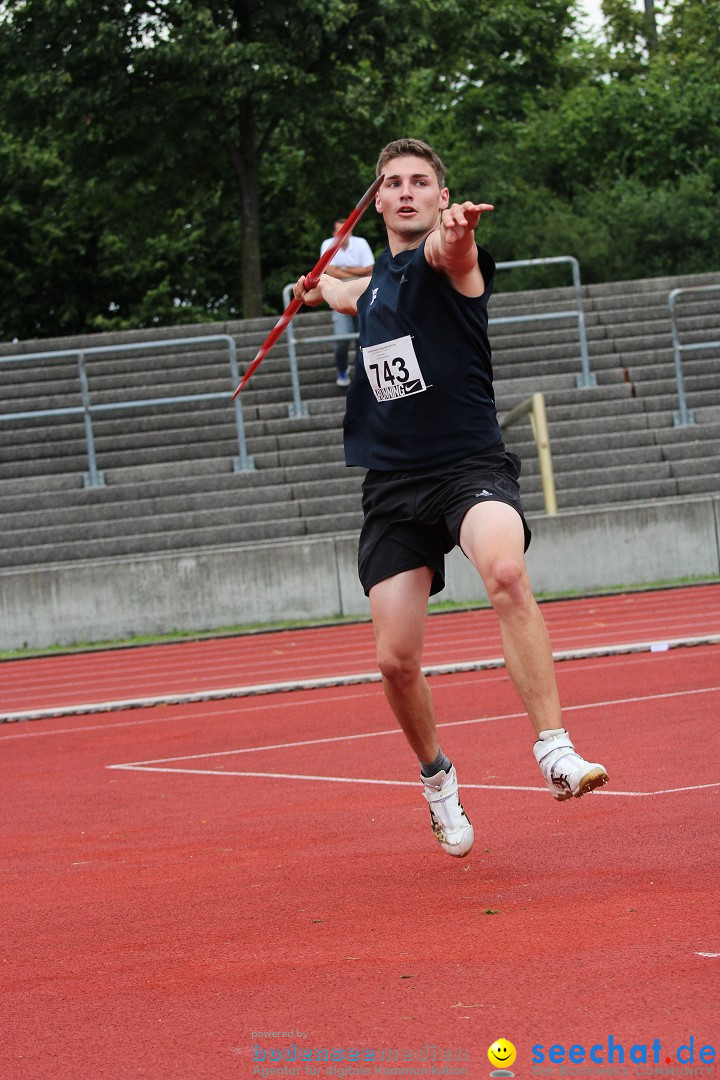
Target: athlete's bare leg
x,y
492,537
399,612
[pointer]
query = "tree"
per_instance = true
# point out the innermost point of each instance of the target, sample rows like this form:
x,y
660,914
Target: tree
x,y
164,112
170,161
255,70
621,165
93,225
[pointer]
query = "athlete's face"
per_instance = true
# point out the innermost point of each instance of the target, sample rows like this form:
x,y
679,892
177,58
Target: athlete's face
x,y
410,199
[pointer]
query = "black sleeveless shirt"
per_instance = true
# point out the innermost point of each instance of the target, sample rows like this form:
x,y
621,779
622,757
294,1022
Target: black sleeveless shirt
x,y
422,391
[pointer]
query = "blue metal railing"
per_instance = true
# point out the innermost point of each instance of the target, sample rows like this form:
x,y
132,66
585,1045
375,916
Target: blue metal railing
x,y
94,477
684,417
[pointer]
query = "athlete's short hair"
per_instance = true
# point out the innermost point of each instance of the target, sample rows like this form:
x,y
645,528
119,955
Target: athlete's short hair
x,y
411,148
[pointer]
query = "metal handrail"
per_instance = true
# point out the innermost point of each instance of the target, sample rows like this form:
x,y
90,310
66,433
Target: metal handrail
x,y
684,417
585,378
94,478
535,408
297,408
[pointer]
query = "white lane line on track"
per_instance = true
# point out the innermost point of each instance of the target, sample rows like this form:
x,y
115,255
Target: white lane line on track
x,y
211,694
447,724
392,783
234,710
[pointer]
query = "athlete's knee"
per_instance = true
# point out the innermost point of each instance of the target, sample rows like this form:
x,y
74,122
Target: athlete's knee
x,y
507,583
398,666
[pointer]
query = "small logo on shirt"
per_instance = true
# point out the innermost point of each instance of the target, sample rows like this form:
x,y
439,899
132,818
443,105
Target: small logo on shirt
x,y
403,279
484,493
374,294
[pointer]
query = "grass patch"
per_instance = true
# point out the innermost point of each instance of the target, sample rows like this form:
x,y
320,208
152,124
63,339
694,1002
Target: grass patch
x,y
444,606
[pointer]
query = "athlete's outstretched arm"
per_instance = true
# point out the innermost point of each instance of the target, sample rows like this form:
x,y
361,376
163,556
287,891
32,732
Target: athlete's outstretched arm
x,y
450,249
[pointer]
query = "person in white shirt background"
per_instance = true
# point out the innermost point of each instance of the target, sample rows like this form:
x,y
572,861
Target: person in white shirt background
x,y
352,260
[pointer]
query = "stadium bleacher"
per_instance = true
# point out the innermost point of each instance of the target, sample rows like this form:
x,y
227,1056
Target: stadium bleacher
x,y
170,486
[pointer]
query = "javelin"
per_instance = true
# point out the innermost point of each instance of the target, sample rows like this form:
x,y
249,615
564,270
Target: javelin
x,y
311,280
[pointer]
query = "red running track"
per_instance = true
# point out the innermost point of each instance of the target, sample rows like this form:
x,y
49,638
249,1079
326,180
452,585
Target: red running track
x,y
180,880
235,666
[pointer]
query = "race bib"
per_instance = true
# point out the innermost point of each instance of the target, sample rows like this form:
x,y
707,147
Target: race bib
x,y
393,370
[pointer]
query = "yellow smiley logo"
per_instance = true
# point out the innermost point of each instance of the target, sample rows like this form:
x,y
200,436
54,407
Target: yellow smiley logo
x,y
502,1054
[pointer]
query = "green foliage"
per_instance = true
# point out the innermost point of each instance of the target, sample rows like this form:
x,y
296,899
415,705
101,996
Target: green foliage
x,y
622,168
173,161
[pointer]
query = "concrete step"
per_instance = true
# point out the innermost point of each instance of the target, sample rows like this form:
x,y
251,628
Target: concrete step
x,y
616,493
176,521
522,441
592,462
548,351
170,531
149,543
76,462
591,405
142,430
520,388
620,292
707,415
704,466
156,484
667,401
109,516
334,523
692,310
235,328
696,441
605,477
585,423
604,397
65,485
544,332
707,382
692,369
696,485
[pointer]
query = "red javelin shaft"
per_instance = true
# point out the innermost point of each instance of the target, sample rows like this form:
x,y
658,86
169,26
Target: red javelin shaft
x,y
311,281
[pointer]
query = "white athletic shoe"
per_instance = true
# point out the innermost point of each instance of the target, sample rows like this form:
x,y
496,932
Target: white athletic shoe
x,y
343,379
449,821
568,775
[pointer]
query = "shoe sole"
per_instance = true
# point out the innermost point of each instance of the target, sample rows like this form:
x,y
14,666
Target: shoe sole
x,y
594,779
458,854
449,849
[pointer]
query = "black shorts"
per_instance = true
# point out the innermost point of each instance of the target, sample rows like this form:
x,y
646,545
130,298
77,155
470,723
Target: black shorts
x,y
413,518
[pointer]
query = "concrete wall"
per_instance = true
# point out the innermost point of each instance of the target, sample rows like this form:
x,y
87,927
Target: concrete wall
x,y
635,544
109,599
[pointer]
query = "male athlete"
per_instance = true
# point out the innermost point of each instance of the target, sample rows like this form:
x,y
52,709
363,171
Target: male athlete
x,y
421,419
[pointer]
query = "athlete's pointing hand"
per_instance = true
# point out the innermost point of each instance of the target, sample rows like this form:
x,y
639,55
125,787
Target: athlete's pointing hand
x,y
460,219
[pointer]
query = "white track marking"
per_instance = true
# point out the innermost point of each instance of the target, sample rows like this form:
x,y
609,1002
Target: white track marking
x,y
166,765
235,710
388,783
213,694
447,724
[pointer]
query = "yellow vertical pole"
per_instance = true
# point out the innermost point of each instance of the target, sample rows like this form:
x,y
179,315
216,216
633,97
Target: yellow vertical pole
x,y
538,420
